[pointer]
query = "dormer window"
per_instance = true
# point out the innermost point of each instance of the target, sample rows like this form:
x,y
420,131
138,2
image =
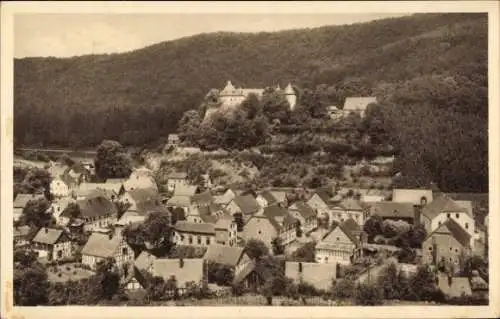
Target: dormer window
x,y
448,215
466,225
457,215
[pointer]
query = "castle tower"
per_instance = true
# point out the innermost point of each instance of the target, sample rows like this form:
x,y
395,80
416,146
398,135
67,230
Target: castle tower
x,y
290,95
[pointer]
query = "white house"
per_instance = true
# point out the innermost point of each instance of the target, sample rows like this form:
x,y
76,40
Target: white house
x,y
52,244
101,246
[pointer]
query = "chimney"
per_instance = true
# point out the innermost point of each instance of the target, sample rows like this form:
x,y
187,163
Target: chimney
x,y
417,212
450,279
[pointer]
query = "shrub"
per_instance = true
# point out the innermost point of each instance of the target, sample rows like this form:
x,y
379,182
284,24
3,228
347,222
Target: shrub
x,y
369,295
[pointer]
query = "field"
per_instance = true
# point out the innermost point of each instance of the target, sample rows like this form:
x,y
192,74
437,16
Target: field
x,y
68,272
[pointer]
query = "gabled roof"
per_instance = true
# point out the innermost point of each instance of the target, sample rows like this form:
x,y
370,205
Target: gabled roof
x,y
185,190
280,196
441,204
247,204
100,245
150,206
268,197
467,205
195,228
392,209
358,103
348,228
179,201
351,226
96,207
224,255
137,181
144,260
21,231
224,223
23,199
143,194
48,236
188,270
88,190
303,209
278,216
202,198
452,228
178,175
323,195
130,218
243,273
317,274
351,204
413,196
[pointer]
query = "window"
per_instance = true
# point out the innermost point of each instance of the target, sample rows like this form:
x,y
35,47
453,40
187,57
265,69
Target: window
x,y
260,232
190,240
451,248
466,225
439,223
457,215
338,238
430,248
182,237
448,215
199,240
208,240
124,251
300,267
59,254
456,250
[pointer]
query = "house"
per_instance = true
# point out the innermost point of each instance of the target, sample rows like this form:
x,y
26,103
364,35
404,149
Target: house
x,y
233,257
395,211
88,190
194,234
305,215
21,201
246,205
454,286
139,195
96,212
357,105
270,197
446,244
51,244
225,198
274,222
415,196
225,232
318,275
443,208
21,236
58,206
182,197
348,208
185,271
58,188
207,181
319,202
176,179
341,245
139,181
207,214
203,199
102,246
231,96
173,140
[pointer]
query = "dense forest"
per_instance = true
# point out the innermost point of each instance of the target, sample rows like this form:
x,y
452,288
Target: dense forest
x,y
429,72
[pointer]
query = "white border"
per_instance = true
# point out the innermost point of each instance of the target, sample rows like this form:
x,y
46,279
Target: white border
x,y
10,8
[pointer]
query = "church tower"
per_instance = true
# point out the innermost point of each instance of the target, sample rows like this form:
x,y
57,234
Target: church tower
x,y
290,95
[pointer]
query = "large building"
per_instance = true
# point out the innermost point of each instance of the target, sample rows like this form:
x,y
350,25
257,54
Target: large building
x,y
232,96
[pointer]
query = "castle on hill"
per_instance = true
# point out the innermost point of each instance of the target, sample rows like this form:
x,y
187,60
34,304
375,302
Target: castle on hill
x,y
231,96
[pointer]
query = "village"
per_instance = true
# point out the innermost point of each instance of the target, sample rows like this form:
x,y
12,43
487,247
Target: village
x,y
213,241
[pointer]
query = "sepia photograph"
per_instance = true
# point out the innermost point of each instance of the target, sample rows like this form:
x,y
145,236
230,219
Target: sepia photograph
x,y
249,155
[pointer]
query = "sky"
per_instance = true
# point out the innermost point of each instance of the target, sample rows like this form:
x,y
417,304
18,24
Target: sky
x,y
65,35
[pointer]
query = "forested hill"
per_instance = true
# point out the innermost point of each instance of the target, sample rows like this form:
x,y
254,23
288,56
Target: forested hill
x,y
430,68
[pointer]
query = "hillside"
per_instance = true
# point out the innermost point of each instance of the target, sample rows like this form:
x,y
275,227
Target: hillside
x,y
430,71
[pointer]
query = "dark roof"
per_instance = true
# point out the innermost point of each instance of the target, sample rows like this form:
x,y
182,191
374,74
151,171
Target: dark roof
x,y
96,207
454,229
274,213
441,204
392,209
350,225
304,209
202,198
268,197
143,194
347,228
196,228
247,204
22,199
48,236
150,206
324,195
224,255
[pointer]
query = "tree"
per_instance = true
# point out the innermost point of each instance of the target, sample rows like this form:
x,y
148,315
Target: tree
x,y
36,180
369,295
373,226
387,281
72,210
25,258
222,275
423,284
275,106
277,245
157,230
36,214
189,125
178,214
156,287
112,161
256,249
106,280
343,288
251,105
30,286
305,253
65,159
